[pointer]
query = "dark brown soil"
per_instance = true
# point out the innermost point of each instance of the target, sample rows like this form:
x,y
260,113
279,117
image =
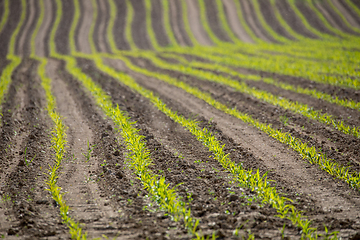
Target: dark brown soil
x,y
269,16
177,21
312,18
336,18
290,17
174,104
249,14
119,27
9,27
140,36
157,21
25,158
213,20
211,190
103,193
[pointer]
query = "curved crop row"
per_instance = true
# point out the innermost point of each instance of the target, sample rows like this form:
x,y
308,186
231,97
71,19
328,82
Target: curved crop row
x,y
310,153
282,102
58,133
314,70
313,155
246,178
5,15
5,78
139,157
310,92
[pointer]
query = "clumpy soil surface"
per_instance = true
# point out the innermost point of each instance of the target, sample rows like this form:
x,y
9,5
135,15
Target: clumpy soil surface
x,y
104,195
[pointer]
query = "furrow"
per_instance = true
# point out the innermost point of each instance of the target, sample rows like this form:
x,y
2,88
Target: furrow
x,y
188,102
266,96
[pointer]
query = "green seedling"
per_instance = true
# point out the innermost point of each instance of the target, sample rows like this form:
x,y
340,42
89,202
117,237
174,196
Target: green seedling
x,y
27,162
87,155
284,120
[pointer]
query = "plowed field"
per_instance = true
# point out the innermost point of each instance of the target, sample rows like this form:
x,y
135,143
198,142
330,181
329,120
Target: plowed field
x,y
180,119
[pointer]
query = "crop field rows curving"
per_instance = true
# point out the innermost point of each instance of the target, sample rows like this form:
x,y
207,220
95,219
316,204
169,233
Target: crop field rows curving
x,y
180,119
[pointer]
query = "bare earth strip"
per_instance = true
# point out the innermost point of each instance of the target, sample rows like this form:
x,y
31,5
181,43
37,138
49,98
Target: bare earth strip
x,y
82,195
174,24
297,173
23,39
195,23
40,44
234,21
250,19
25,182
346,13
327,15
87,11
102,26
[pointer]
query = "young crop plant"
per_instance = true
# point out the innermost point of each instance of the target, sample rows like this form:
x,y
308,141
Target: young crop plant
x,y
139,155
58,144
5,78
5,15
28,161
58,133
282,102
245,178
298,89
311,154
87,155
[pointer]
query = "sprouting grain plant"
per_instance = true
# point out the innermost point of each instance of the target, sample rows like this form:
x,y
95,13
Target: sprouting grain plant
x,y
27,162
87,155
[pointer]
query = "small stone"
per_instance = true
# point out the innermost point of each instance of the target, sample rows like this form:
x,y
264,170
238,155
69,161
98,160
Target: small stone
x,y
233,198
43,201
12,231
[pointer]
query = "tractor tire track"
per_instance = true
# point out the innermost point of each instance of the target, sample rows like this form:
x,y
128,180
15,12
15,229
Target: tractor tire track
x,y
116,182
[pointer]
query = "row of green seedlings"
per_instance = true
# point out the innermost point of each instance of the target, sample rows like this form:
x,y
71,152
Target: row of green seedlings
x,y
311,154
99,63
58,144
139,157
312,46
5,14
58,140
310,92
5,78
283,60
283,64
282,102
348,103
251,179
